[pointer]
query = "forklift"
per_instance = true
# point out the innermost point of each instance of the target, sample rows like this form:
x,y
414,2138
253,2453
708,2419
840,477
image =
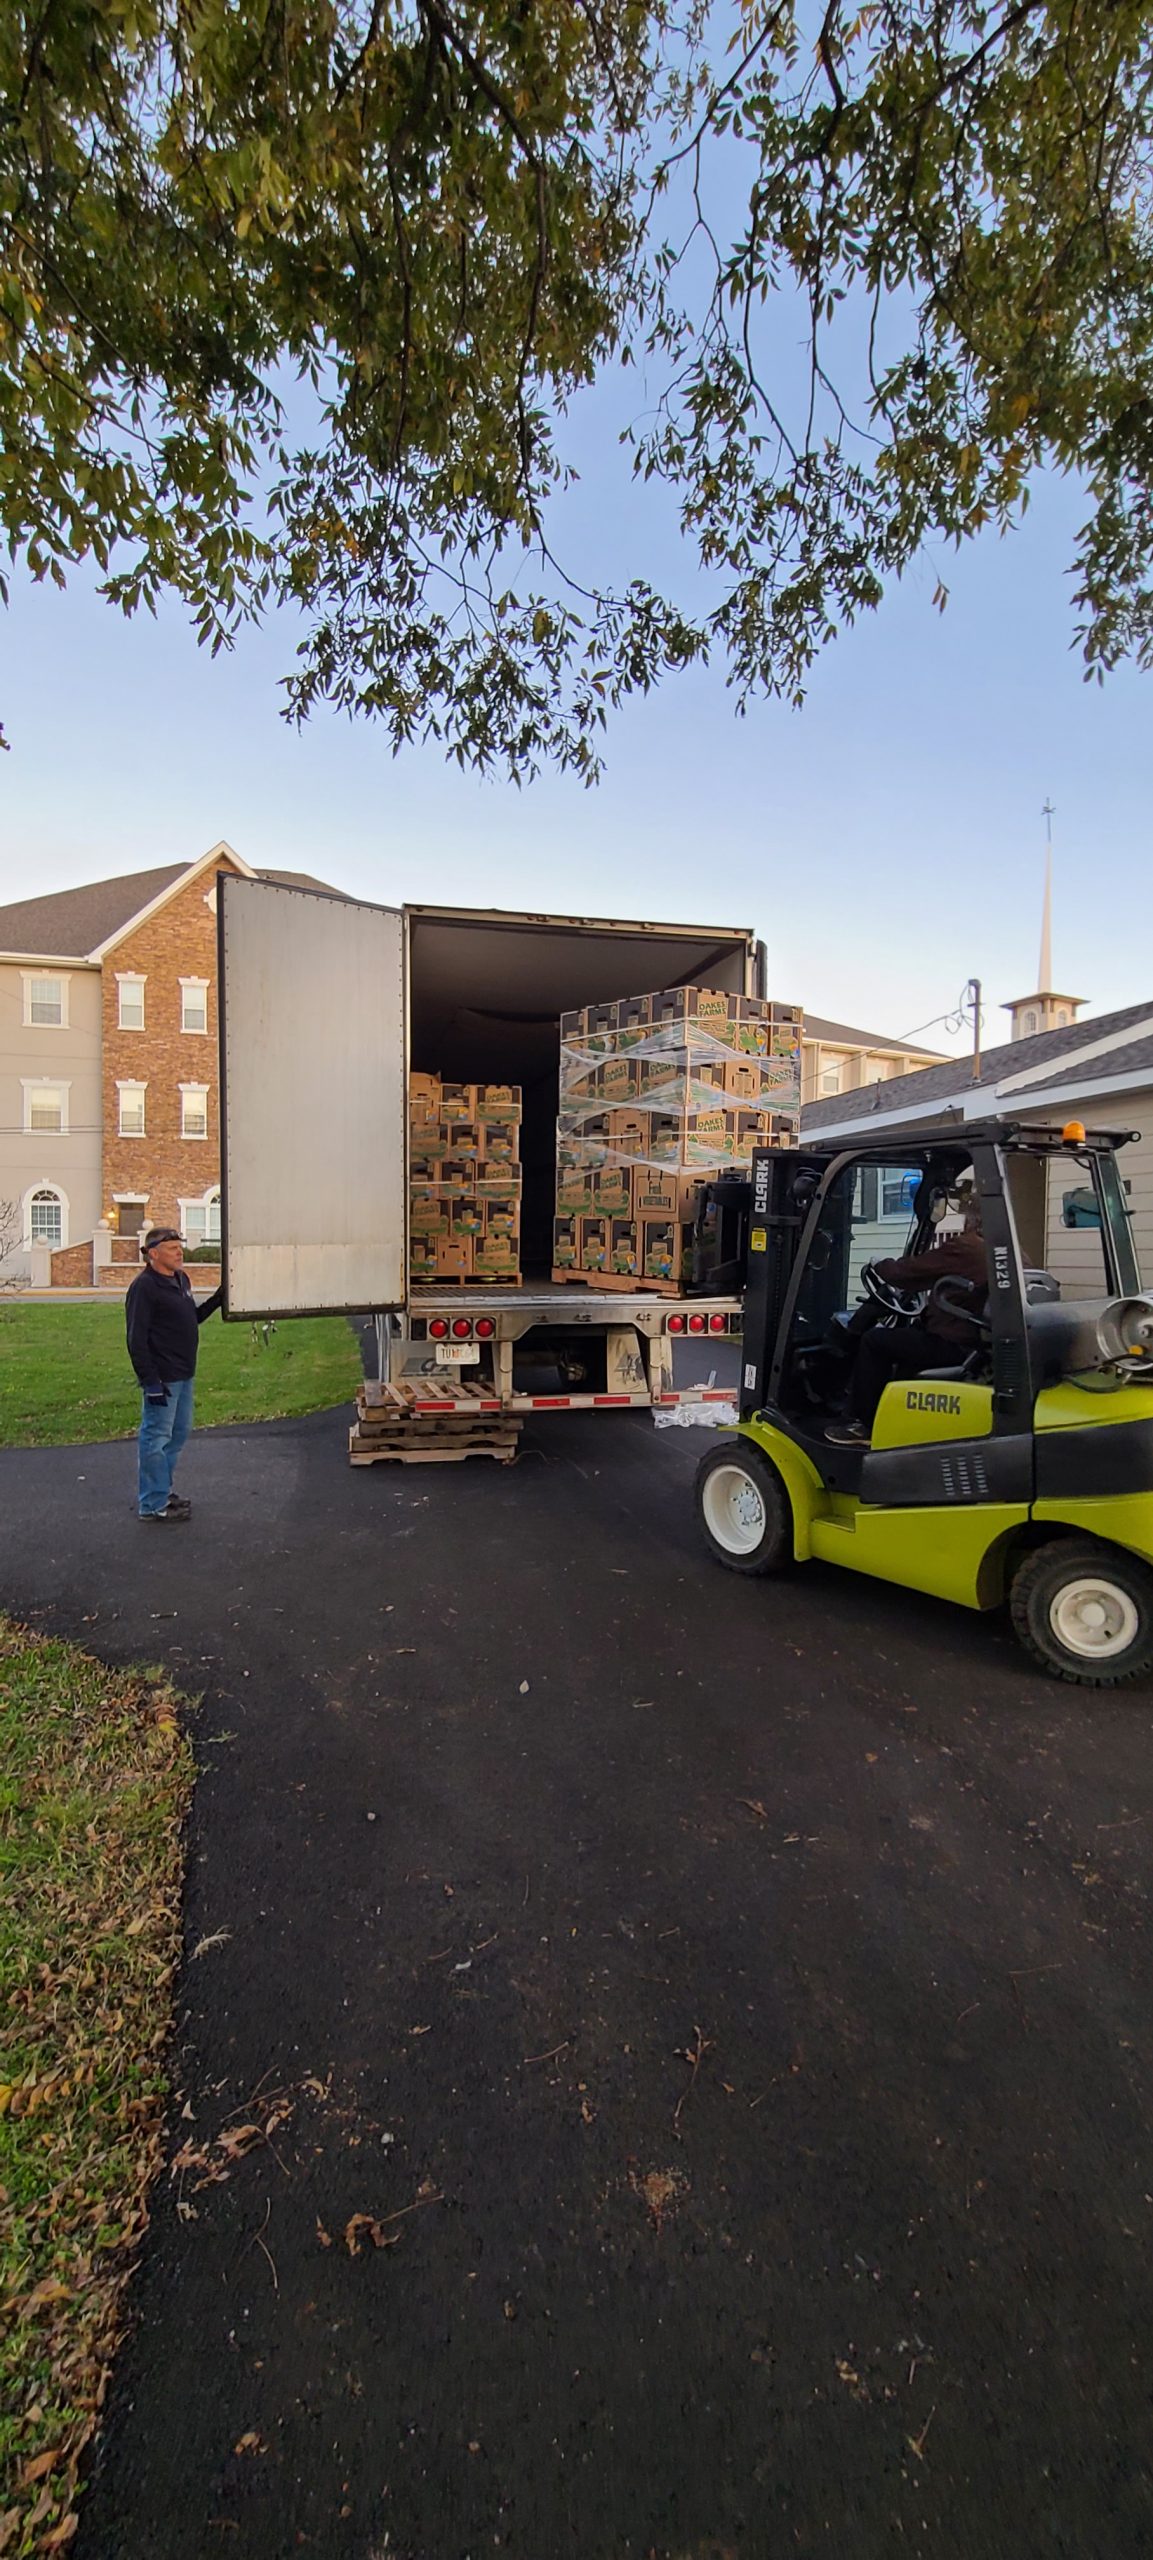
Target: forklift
x,y
1018,1469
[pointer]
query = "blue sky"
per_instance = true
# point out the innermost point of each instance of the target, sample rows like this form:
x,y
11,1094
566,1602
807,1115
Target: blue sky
x,y
886,840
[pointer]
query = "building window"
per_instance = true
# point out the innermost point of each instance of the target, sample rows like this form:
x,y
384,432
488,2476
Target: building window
x,y
45,1000
831,1073
45,1109
201,1219
46,1217
1028,1024
194,1111
131,1122
1062,1016
131,1002
194,1004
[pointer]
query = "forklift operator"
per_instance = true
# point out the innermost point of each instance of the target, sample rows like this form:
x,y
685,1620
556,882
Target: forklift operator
x,y
938,1340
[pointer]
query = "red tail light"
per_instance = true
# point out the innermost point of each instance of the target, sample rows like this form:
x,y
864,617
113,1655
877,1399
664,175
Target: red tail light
x,y
437,1328
461,1328
716,1324
484,1328
676,1324
696,1324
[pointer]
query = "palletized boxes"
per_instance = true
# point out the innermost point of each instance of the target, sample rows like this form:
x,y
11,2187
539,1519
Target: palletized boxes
x,y
464,1181
657,1092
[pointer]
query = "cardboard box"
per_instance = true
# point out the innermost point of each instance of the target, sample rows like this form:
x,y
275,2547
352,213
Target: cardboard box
x,y
424,1166
623,1248
454,1258
666,1129
572,1024
574,1189
427,1211
594,1246
600,1017
496,1258
465,1218
499,1141
421,1257
618,1079
423,1099
634,1013
628,1133
502,1217
498,1102
662,1192
566,1244
458,1101
457,1173
459,1137
492,1181
659,1248
612,1190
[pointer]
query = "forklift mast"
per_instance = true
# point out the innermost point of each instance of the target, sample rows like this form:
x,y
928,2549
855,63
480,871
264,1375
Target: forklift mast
x,y
782,1190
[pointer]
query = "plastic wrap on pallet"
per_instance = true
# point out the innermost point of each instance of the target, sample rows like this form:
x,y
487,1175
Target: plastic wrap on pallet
x,y
680,1067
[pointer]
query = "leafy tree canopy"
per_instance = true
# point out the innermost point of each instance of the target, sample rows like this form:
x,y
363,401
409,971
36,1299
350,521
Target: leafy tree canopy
x,y
296,295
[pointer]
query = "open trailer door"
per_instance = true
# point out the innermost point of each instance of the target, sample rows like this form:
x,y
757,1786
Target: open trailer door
x,y
313,1107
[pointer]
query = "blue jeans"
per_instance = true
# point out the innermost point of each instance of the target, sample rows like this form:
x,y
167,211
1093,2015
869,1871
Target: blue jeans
x,y
164,1428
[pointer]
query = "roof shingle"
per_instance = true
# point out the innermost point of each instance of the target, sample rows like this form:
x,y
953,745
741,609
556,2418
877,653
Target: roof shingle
x,y
902,1094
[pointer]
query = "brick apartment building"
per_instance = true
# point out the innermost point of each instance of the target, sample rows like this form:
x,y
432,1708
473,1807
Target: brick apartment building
x,y
109,1076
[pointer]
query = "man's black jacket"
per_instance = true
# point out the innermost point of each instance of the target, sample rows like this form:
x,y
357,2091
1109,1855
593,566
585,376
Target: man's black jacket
x,y
164,1323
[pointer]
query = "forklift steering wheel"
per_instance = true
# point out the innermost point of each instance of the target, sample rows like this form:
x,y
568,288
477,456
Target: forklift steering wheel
x,y
891,1300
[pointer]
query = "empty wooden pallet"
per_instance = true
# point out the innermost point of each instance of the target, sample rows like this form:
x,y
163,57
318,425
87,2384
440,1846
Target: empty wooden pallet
x,y
424,1422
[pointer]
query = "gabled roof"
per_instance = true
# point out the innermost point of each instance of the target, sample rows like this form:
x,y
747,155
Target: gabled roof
x,y
1029,1067
78,924
74,921
838,1035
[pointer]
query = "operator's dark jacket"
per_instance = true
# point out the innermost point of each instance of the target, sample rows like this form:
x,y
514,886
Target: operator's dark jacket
x,y
164,1323
960,1257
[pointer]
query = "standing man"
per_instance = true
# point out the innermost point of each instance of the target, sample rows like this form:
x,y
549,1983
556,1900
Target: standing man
x,y
163,1338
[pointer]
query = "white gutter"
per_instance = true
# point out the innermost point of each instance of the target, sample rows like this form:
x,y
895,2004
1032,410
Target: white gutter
x,y
45,960
890,1120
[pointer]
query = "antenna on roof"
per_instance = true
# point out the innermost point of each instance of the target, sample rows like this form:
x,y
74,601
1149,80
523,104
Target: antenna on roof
x,y
1045,971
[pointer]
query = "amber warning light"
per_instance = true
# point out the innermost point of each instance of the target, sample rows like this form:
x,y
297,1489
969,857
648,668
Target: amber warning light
x,y
1073,1133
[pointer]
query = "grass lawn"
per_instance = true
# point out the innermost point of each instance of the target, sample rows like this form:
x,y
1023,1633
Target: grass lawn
x,y
95,1778
65,1375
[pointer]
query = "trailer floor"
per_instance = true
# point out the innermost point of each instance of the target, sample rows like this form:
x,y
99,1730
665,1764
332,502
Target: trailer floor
x,y
729,2002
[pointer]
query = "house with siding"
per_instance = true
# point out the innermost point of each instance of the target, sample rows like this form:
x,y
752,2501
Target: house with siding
x,y
109,1078
1098,1070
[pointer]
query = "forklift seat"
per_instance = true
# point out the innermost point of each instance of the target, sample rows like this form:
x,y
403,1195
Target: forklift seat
x,y
970,1367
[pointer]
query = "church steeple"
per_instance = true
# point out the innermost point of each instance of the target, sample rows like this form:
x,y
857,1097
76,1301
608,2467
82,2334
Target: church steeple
x,y
1045,1010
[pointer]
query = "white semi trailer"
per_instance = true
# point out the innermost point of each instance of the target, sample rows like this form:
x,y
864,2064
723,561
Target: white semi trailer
x,y
326,1003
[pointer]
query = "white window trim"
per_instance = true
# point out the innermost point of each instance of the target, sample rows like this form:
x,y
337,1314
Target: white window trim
x,y
34,977
130,1084
205,1201
195,1137
48,1184
193,1030
131,978
46,1084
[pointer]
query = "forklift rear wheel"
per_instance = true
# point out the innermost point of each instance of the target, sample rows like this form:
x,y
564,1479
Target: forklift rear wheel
x,y
1085,1611
744,1509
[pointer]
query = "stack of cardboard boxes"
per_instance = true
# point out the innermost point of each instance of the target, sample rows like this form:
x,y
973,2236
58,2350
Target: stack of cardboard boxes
x,y
656,1093
464,1181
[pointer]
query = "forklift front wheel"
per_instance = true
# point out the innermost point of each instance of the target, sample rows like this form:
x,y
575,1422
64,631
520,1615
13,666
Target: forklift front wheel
x,y
1085,1611
743,1509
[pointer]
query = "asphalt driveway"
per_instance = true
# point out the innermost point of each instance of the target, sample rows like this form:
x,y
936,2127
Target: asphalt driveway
x,y
695,2035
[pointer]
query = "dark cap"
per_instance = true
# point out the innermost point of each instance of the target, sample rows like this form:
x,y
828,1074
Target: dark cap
x,y
160,1235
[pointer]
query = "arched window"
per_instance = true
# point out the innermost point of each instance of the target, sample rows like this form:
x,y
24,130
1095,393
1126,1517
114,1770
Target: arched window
x,y
1028,1023
46,1215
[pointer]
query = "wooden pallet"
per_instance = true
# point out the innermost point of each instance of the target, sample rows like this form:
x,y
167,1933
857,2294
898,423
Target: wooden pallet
x,y
436,1280
616,1280
424,1422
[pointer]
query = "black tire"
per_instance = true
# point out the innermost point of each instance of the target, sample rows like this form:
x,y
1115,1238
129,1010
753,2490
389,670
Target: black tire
x,y
763,1541
1056,1600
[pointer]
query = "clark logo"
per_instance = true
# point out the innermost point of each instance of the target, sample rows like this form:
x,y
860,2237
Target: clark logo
x,y
924,1400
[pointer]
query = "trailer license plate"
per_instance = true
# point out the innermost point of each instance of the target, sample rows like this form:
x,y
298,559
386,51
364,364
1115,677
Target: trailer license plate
x,y
455,1355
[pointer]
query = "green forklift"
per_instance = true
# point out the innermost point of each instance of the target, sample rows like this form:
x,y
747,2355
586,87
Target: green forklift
x,y
1019,1469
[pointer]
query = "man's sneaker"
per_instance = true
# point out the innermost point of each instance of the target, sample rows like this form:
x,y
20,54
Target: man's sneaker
x,y
178,1507
848,1435
158,1519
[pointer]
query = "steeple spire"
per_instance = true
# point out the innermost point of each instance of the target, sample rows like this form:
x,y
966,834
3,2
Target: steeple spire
x,y
1045,1010
1045,971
